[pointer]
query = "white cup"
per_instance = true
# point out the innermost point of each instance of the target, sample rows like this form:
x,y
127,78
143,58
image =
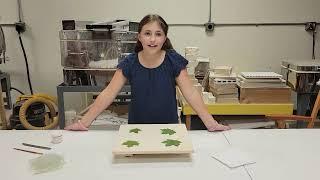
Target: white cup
x,y
56,137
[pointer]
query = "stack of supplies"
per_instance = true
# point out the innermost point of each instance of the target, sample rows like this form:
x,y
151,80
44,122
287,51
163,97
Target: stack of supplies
x,y
208,98
263,87
202,67
198,66
191,54
222,83
261,80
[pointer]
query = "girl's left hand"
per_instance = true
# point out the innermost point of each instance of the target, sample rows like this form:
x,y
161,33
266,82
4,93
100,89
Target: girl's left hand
x,y
78,126
214,126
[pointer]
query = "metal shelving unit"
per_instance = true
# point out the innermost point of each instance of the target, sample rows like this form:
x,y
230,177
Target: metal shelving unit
x,y
62,88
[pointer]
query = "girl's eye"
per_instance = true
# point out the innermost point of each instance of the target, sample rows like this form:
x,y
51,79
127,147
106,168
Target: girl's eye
x,y
147,33
159,34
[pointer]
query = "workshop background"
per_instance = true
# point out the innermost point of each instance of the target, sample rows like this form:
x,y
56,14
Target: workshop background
x,y
245,48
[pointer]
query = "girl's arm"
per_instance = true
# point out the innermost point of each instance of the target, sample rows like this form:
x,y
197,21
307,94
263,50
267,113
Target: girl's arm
x,y
104,99
195,100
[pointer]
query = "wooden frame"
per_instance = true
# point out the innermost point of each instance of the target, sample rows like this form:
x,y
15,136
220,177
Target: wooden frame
x,y
280,119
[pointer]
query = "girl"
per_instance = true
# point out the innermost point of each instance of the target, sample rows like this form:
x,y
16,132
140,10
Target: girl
x,y
153,72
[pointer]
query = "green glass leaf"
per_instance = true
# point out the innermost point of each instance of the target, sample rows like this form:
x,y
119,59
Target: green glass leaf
x,y
47,163
167,131
171,142
130,143
135,130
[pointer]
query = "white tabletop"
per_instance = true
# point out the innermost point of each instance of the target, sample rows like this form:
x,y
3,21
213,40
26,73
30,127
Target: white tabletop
x,y
88,156
279,154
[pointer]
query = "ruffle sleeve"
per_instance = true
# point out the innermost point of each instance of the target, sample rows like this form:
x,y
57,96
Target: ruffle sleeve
x,y
178,62
125,65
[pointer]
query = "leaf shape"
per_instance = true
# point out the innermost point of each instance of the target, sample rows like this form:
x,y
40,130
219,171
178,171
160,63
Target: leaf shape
x,y
172,142
167,131
135,130
130,143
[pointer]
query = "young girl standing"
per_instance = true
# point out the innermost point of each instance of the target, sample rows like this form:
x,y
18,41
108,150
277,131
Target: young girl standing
x,y
153,72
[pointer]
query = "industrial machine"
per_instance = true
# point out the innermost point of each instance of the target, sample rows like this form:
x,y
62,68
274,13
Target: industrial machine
x,y
91,51
29,112
303,76
4,83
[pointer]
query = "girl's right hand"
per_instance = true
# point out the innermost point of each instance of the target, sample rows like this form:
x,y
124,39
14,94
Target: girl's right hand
x,y
78,126
218,127
215,126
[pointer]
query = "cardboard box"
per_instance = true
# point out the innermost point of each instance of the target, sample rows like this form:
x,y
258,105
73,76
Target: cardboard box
x,y
265,95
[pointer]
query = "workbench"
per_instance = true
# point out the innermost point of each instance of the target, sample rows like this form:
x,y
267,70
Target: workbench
x,y
238,109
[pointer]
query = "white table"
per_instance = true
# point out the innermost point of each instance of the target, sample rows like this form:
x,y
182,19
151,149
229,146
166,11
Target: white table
x,y
88,156
279,154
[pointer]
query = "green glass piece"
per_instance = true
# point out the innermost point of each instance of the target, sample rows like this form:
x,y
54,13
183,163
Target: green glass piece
x,y
171,142
167,131
130,143
47,163
135,130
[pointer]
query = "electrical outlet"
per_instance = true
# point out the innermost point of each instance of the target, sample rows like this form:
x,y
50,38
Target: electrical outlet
x,y
209,26
311,26
20,27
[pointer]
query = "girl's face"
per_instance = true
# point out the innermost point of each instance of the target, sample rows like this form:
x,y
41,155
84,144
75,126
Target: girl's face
x,y
152,37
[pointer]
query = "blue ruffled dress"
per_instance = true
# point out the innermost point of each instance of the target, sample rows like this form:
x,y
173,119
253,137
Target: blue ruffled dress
x,y
153,89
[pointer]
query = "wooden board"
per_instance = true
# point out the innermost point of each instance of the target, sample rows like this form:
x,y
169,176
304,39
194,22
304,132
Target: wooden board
x,y
260,75
265,95
149,139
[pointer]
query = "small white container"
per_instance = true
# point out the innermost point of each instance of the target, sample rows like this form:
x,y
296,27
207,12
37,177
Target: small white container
x,y
56,137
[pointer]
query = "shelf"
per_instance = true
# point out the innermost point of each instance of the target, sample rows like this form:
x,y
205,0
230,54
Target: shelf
x,y
243,109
